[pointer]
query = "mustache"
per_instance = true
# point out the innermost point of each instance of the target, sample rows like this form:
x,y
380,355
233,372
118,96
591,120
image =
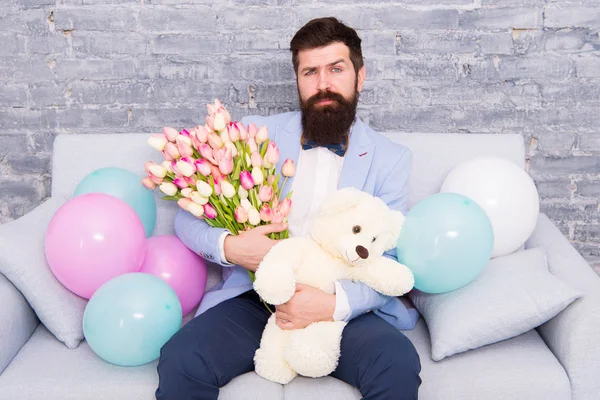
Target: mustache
x,y
324,95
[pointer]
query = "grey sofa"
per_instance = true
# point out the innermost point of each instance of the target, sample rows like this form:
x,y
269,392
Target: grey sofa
x,y
558,360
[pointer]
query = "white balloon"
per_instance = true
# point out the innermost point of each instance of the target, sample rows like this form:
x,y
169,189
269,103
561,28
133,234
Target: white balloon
x,y
507,194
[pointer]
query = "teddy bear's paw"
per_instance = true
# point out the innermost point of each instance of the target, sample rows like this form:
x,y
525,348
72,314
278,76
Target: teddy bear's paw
x,y
314,351
273,369
275,288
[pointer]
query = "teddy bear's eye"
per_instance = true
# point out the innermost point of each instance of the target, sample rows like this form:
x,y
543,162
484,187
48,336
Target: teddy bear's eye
x,y
356,229
373,240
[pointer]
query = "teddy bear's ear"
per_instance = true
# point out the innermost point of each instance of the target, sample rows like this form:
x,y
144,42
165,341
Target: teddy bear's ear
x,y
342,200
396,221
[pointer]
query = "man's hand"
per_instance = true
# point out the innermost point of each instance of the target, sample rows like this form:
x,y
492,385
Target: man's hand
x,y
306,306
250,247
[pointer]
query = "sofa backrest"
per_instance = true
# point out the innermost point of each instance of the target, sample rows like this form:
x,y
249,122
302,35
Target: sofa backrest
x,y
434,155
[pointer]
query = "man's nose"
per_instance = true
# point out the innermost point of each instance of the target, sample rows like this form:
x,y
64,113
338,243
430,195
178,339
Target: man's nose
x,y
323,83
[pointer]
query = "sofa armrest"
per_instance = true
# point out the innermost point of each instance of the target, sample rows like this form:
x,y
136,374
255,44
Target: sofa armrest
x,y
17,322
573,334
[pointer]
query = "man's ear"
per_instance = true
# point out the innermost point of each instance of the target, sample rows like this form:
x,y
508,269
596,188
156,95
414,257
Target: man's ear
x,y
361,76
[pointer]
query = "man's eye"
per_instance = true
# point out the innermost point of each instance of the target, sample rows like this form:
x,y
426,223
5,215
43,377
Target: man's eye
x,y
310,72
336,69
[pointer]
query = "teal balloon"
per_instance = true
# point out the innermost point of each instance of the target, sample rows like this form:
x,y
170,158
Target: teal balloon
x,y
129,318
446,240
125,185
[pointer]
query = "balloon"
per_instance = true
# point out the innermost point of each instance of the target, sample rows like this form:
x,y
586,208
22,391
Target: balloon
x,y
91,239
507,194
129,319
446,241
172,261
124,185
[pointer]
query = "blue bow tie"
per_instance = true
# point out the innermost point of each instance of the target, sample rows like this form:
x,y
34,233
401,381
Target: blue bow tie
x,y
339,149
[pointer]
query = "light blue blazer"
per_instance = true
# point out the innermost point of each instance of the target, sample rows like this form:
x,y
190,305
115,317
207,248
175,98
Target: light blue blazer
x,y
372,163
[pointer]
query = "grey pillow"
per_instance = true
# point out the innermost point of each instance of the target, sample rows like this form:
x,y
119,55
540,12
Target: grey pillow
x,y
514,294
23,262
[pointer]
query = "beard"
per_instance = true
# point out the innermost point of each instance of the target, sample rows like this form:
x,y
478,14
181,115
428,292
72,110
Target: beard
x,y
330,123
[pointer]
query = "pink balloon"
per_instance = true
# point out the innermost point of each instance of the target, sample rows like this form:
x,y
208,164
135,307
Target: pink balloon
x,y
172,261
91,239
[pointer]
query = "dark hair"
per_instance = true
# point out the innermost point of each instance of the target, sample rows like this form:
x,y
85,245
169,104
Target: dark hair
x,y
321,32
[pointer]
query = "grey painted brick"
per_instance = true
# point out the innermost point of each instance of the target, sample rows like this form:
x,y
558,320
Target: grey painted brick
x,y
102,44
18,188
154,119
267,93
588,233
185,19
519,3
586,212
73,119
95,69
429,67
35,3
52,43
253,41
505,94
591,253
590,141
576,93
20,119
588,66
496,43
566,15
244,18
99,92
572,40
501,18
13,95
582,119
21,69
12,43
12,144
178,2
421,41
558,188
191,45
256,69
29,164
378,43
535,67
31,21
94,19
556,143
262,2
387,17
565,165
588,188
186,92
44,94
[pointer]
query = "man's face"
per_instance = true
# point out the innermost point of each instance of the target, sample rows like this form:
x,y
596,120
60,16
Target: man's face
x,y
328,69
328,87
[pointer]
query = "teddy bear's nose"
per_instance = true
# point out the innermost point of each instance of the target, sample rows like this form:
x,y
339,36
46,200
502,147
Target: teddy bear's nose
x,y
362,252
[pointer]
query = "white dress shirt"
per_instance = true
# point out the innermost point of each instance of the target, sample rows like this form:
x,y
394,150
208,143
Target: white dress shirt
x,y
317,174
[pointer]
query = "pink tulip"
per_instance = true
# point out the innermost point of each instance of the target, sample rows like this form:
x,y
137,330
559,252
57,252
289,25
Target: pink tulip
x,y
147,182
202,166
233,131
185,133
242,193
246,180
202,134
262,135
185,166
275,203
285,206
240,214
209,211
198,198
185,149
265,193
258,176
252,145
180,182
167,156
288,169
167,165
203,188
252,130
215,141
170,133
217,180
158,141
272,154
227,189
243,131
226,163
220,121
168,188
253,216
184,203
216,173
212,109
172,151
155,179
277,217
187,192
196,210
266,213
155,169
232,148
270,180
256,160
189,180
207,152
210,122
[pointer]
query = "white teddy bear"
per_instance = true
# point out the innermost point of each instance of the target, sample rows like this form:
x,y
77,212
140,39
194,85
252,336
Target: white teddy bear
x,y
348,238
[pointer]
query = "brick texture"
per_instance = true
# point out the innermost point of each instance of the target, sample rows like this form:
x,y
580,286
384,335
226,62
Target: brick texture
x,y
490,66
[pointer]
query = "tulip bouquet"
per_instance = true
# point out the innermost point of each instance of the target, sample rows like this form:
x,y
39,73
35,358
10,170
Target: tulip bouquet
x,y
222,172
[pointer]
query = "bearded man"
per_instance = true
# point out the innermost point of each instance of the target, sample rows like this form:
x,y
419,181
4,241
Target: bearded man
x,y
332,149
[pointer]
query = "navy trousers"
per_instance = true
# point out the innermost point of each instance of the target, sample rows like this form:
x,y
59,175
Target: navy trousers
x,y
218,345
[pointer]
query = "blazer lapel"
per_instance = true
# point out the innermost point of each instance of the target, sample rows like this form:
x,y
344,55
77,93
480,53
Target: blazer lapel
x,y
288,141
358,158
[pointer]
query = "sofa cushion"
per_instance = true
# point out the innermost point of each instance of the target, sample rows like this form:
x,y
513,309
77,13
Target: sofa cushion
x,y
512,295
519,368
23,262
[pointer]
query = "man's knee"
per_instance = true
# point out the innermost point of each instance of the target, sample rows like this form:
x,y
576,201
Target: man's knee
x,y
181,364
